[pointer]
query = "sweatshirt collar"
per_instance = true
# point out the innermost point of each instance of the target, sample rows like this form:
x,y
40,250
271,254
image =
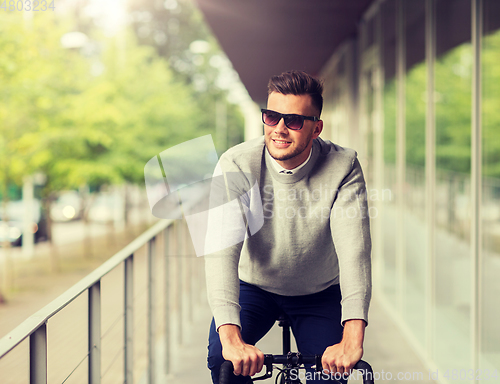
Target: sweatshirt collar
x,y
284,171
299,172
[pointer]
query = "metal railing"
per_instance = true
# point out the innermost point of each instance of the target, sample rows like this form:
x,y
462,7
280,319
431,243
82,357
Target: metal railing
x,y
173,289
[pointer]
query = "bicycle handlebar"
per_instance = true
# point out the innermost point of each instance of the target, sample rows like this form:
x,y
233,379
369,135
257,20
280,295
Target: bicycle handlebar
x,y
294,359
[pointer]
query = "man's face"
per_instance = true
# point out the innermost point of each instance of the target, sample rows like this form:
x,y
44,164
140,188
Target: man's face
x,y
288,147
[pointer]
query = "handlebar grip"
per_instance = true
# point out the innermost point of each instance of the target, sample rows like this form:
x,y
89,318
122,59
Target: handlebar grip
x,y
226,370
367,371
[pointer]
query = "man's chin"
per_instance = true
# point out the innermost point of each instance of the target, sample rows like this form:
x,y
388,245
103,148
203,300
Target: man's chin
x,y
282,156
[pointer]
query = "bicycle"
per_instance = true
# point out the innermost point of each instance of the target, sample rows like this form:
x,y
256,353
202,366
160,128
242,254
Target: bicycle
x,y
291,362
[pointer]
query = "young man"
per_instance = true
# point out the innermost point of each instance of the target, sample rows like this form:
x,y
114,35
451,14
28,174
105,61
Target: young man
x,y
311,258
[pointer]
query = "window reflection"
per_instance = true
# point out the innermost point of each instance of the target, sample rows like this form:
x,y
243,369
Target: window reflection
x,y
450,333
453,74
389,213
490,269
414,187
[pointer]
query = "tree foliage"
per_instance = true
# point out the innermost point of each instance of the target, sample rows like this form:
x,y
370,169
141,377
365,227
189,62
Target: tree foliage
x,y
34,94
177,31
81,128
83,117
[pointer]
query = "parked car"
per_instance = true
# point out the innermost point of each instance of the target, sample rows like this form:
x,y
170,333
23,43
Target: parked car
x,y
12,230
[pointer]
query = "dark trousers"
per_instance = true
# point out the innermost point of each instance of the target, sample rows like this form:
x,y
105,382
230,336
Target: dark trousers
x,y
314,320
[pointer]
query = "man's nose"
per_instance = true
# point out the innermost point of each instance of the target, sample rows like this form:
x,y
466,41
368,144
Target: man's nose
x,y
281,127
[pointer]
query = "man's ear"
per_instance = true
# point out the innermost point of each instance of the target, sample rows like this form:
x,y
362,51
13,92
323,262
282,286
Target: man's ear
x,y
318,128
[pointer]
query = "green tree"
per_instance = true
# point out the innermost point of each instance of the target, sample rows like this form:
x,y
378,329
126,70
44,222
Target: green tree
x,y
34,93
78,128
177,31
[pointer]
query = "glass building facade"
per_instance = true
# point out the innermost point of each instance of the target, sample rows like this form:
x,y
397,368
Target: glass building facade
x,y
417,95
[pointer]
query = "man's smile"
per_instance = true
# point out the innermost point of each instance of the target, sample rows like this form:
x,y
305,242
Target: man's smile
x,y
281,142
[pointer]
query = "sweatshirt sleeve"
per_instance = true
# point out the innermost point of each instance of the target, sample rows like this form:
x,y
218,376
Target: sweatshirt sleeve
x,y
350,227
221,269
226,230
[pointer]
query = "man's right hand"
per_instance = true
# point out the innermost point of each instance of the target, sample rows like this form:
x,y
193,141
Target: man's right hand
x,y
247,359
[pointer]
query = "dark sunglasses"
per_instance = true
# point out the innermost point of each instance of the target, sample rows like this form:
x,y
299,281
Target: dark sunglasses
x,y
292,121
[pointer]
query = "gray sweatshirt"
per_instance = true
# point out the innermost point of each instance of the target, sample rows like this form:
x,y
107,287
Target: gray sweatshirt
x,y
293,234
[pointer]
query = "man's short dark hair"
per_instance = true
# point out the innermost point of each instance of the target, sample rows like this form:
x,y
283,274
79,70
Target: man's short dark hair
x,y
298,83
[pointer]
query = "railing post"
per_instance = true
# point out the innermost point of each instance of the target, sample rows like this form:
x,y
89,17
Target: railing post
x,y
180,306
188,270
95,333
166,247
200,273
38,356
194,283
128,365
151,310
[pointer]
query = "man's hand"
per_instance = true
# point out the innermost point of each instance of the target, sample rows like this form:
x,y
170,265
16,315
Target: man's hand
x,y
247,359
343,356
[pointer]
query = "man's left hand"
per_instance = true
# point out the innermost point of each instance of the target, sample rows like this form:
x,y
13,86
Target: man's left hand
x,y
342,357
